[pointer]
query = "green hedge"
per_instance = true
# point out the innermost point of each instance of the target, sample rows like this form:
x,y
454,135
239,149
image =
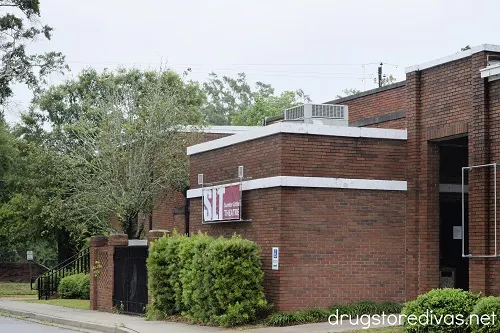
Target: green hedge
x,y
486,306
75,286
210,281
440,303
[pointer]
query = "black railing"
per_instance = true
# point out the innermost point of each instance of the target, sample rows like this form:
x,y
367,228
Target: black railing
x,y
48,282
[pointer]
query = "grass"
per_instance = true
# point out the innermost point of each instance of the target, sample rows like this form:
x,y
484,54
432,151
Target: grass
x,y
16,289
82,304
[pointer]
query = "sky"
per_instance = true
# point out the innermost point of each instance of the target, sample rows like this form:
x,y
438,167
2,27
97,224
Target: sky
x,y
320,46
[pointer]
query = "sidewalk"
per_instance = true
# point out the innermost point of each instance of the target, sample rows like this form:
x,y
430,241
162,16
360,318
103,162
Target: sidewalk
x,y
116,323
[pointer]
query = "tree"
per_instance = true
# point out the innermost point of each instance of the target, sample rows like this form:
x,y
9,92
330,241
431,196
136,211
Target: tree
x,y
269,106
18,66
386,80
348,92
137,153
228,99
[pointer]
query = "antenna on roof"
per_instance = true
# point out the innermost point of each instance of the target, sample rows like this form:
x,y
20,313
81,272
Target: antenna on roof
x,y
380,75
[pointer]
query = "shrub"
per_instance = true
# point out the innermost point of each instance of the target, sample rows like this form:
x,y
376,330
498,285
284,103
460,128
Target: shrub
x,y
210,281
486,306
440,302
235,277
75,286
163,277
318,315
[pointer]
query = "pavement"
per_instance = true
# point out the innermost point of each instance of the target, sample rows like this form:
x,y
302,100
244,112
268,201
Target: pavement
x,y
118,323
12,325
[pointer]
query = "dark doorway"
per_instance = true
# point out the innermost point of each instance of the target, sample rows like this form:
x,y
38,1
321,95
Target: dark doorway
x,y
130,294
454,270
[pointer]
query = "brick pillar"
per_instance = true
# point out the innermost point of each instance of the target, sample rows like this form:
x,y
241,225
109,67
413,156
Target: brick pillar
x,y
96,243
155,234
413,116
429,217
479,179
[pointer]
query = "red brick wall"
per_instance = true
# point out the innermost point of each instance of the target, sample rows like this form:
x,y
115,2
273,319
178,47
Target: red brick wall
x,y
263,207
341,246
342,157
170,213
445,101
261,158
300,221
19,272
378,103
394,124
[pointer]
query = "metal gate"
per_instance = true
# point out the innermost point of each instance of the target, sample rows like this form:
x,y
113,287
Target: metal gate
x,y
130,294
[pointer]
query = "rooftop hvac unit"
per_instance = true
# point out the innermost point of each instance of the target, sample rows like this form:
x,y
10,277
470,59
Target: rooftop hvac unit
x,y
326,114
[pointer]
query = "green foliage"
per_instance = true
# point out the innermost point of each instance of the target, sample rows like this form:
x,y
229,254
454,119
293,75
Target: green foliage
x,y
486,306
18,66
348,92
211,281
441,302
233,101
321,315
75,286
268,106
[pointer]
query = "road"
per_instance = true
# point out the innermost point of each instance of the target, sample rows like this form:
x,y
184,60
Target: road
x,y
19,326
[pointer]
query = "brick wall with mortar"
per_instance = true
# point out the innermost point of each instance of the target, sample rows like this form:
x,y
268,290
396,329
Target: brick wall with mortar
x,y
376,102
276,212
19,272
445,101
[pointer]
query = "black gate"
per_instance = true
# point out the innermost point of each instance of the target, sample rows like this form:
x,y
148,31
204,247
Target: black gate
x,y
130,293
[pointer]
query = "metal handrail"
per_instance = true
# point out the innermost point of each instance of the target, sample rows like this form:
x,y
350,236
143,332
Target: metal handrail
x,y
48,282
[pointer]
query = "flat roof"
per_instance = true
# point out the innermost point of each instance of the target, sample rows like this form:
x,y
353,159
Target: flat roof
x,y
453,57
298,128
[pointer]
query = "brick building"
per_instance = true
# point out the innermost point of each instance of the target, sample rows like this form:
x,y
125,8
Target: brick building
x,y
373,210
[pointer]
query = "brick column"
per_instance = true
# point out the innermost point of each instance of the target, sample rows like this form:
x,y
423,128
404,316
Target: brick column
x,y
479,179
413,115
155,234
96,243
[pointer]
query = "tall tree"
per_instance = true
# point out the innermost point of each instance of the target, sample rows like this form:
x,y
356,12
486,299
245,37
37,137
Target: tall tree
x,y
17,31
228,99
268,106
122,135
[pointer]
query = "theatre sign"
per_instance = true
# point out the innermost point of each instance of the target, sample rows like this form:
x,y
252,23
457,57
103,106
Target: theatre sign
x,y
221,203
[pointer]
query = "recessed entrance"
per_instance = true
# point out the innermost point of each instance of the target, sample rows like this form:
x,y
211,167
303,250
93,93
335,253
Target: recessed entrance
x,y
454,270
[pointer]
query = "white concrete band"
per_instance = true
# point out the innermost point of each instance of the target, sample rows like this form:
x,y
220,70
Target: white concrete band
x,y
219,129
315,182
299,128
453,57
491,72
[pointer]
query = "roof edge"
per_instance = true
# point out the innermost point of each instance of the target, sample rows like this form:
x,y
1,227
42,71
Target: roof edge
x,y
367,92
454,57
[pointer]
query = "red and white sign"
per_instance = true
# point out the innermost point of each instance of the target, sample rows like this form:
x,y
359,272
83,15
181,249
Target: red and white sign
x,y
221,203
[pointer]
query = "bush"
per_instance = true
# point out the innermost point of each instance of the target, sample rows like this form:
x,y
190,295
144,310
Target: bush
x,y
440,302
163,277
210,281
486,306
319,315
75,286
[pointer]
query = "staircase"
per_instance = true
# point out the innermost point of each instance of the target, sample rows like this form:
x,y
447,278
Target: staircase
x,y
48,282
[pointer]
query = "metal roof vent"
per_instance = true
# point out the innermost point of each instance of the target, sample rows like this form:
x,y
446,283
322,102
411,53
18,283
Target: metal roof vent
x,y
326,114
